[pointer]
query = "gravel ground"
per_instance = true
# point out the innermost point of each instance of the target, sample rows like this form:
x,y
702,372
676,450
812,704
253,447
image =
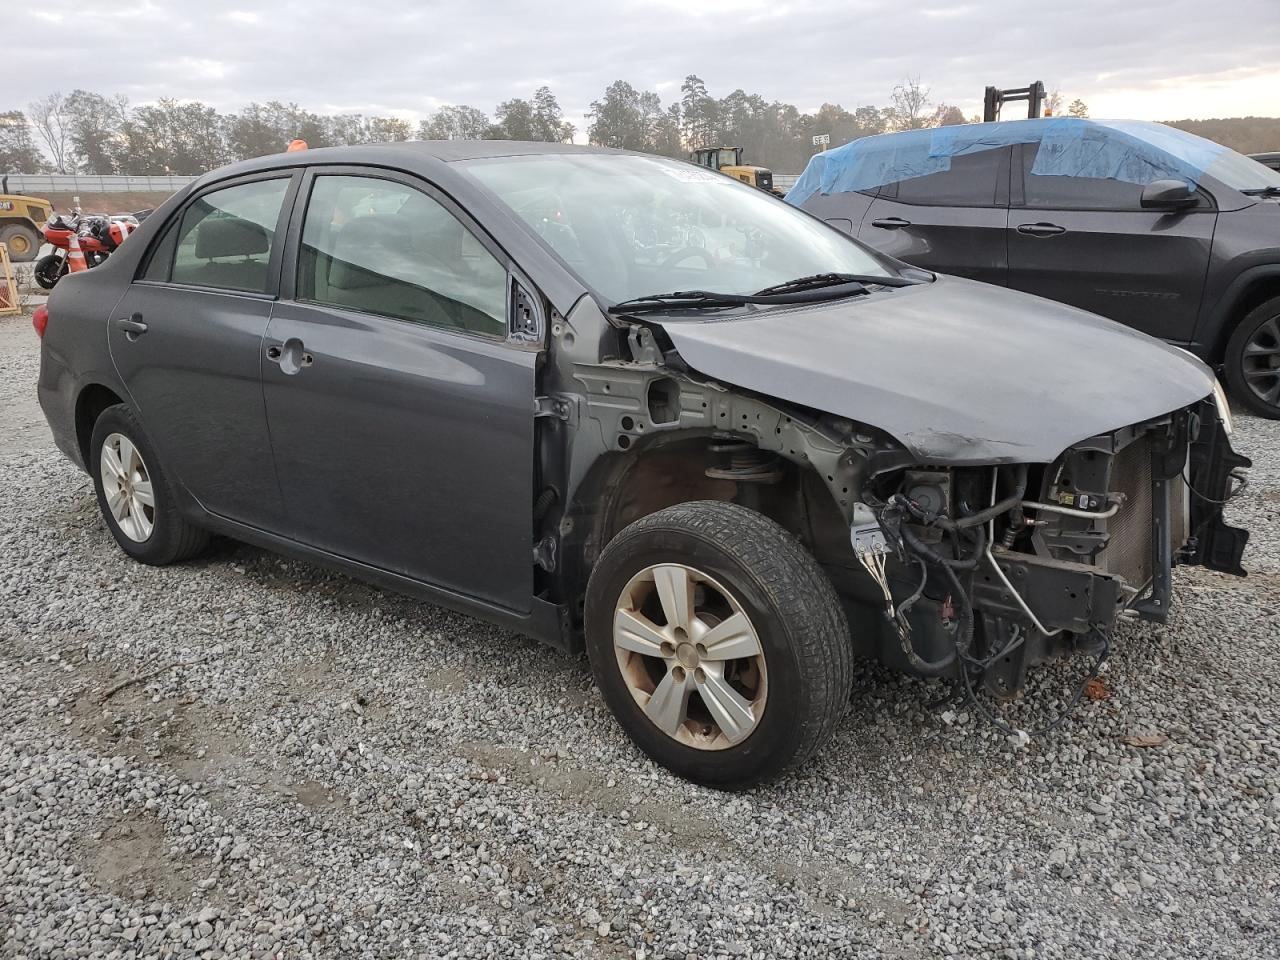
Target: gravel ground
x,y
318,769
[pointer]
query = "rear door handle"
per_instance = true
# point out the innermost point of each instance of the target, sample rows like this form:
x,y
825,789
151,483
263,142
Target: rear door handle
x,y
1041,229
891,223
133,327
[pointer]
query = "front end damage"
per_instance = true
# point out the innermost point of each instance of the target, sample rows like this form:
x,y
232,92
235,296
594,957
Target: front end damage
x,y
990,571
973,572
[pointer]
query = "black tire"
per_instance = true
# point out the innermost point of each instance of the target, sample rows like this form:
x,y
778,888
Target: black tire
x,y
49,270
23,242
790,602
172,537
1247,375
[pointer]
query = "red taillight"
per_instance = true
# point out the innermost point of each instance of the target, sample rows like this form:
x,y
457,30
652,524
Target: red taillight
x,y
40,319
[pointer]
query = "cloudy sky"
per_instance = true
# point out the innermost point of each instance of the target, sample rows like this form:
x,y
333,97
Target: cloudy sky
x,y
1143,59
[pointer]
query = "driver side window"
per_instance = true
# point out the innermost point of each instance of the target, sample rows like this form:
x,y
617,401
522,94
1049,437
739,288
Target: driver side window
x,y
383,247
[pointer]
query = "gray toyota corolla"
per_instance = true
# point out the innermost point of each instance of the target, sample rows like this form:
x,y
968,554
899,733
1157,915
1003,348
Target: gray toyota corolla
x,y
623,403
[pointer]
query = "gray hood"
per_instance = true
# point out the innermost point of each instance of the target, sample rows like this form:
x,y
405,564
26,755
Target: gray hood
x,y
956,371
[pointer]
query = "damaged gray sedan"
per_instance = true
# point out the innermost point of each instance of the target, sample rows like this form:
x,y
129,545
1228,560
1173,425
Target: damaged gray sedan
x,y
623,404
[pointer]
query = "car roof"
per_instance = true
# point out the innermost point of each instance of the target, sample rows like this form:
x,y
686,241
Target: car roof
x,y
408,154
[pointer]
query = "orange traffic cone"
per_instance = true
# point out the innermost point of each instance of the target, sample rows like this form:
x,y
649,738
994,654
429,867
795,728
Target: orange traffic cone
x,y
75,256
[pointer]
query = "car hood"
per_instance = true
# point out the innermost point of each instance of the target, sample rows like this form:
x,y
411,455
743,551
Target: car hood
x,y
956,371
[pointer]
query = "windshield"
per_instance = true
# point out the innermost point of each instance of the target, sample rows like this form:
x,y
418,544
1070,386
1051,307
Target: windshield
x,y
1242,173
630,226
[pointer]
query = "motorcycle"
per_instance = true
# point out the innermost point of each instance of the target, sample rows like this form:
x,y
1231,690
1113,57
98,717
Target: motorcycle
x,y
80,241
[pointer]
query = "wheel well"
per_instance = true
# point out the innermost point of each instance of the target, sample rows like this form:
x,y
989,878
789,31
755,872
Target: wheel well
x,y
92,401
662,472
1256,294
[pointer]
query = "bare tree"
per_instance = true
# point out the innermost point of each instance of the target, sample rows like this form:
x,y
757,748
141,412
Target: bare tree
x,y
1053,103
49,117
909,105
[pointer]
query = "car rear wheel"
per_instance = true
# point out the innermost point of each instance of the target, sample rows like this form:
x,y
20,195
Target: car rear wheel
x,y
718,643
1252,362
134,496
23,242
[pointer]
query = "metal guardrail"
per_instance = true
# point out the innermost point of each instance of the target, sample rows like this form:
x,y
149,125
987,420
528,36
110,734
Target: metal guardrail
x,y
785,181
35,184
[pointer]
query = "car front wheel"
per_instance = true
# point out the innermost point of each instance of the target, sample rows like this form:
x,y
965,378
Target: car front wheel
x,y
718,643
1252,361
134,495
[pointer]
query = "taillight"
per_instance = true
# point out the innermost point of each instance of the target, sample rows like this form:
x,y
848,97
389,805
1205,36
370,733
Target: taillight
x,y
40,319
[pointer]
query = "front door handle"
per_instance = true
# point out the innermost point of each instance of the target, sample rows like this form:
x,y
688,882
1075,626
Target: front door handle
x,y
1041,229
133,327
891,223
291,355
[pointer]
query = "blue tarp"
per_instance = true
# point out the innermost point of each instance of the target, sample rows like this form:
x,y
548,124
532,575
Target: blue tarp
x,y
1134,151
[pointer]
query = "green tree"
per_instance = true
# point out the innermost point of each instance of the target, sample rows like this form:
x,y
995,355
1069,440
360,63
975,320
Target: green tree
x,y
1078,108
515,121
455,123
699,113
173,137
548,119
95,123
388,130
18,152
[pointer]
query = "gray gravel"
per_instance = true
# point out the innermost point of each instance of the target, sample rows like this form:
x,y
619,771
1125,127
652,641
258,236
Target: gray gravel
x,y
325,770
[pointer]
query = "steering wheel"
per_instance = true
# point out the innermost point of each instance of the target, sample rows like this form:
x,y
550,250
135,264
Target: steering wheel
x,y
686,253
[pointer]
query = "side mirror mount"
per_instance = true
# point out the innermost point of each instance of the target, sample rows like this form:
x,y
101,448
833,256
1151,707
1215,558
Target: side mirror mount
x,y
1168,195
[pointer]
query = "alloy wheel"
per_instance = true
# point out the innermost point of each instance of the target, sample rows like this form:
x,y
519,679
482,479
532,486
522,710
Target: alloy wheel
x,y
126,484
1260,362
690,656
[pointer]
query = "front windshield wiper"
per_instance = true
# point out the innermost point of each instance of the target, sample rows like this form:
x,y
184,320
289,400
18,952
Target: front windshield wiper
x,y
707,300
819,280
1267,191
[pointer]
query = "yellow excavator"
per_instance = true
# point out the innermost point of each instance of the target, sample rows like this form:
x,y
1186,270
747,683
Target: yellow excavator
x,y
728,160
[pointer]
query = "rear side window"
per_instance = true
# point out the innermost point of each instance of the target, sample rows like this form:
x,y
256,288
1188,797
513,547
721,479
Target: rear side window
x,y
225,238
383,247
970,181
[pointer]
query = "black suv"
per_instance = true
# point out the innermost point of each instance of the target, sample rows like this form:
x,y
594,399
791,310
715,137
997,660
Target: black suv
x,y
1143,223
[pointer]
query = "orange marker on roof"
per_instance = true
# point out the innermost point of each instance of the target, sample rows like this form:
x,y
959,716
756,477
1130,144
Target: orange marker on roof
x,y
295,145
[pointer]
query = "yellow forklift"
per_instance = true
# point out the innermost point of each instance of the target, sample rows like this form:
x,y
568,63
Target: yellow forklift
x,y
21,220
728,160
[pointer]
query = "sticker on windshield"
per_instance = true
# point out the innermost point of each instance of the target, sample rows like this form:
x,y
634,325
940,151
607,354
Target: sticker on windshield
x,y
688,173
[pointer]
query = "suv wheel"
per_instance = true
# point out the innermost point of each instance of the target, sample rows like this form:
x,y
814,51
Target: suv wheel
x,y
135,498
1252,362
718,643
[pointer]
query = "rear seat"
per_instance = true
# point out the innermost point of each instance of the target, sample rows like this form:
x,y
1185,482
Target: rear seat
x,y
366,247
219,239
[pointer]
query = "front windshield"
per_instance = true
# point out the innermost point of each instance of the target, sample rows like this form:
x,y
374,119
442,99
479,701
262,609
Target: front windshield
x,y
632,226
1242,173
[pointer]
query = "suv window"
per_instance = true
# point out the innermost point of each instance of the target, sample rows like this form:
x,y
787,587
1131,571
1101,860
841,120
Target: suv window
x,y
226,237
970,181
1075,193
384,247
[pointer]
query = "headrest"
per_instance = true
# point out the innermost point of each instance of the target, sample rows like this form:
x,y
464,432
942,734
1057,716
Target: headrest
x,y
363,248
230,237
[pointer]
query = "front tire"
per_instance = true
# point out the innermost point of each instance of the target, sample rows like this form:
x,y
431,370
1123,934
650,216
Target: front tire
x,y
1252,361
134,496
718,643
49,270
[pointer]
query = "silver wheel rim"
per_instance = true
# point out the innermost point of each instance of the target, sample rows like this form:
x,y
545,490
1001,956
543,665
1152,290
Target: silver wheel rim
x,y
1261,362
126,484
690,656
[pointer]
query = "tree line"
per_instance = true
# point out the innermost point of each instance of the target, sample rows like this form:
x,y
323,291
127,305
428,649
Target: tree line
x,y
93,133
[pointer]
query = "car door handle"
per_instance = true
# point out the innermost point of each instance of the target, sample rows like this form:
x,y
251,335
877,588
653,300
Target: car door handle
x,y
133,327
291,355
1041,229
891,223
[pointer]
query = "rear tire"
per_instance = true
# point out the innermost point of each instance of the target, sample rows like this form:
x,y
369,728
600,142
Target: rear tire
x,y
23,242
134,495
1252,361
759,698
